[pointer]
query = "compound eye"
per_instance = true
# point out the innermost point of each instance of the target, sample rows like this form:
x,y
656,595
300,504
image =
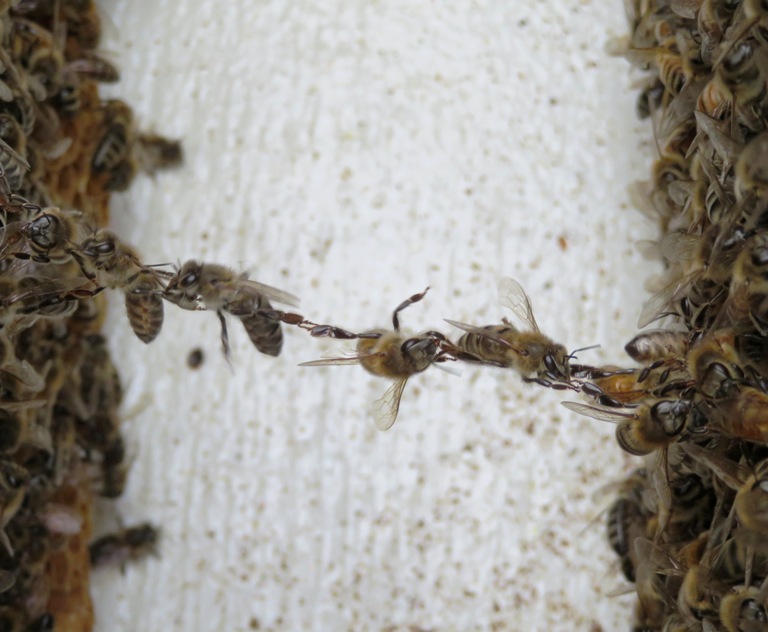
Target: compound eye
x,y
188,279
105,248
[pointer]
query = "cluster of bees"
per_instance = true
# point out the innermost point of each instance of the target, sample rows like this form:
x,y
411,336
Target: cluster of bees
x,y
691,526
61,148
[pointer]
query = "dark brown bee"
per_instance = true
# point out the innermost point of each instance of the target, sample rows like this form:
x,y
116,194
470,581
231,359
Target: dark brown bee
x,y
215,287
113,154
115,265
129,544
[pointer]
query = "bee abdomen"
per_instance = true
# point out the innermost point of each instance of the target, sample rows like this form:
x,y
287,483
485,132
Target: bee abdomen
x,y
145,314
265,333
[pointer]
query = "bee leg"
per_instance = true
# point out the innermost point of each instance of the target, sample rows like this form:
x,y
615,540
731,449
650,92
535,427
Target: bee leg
x,y
409,301
91,276
224,337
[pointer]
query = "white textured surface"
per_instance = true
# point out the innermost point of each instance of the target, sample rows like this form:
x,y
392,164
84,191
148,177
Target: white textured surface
x,y
353,152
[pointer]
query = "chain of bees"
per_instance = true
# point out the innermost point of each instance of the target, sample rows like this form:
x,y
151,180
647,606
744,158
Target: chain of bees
x,y
689,527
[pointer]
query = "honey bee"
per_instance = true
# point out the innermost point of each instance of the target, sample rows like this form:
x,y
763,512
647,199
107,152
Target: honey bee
x,y
156,152
392,355
215,287
738,83
651,426
115,265
626,521
51,235
23,301
113,153
713,361
529,352
658,344
129,544
114,469
743,609
749,178
751,501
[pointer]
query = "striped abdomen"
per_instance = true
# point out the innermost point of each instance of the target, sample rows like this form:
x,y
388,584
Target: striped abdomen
x,y
265,333
486,347
145,309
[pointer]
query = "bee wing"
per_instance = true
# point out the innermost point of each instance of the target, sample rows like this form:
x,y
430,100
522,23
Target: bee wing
x,y
353,358
385,408
656,307
26,374
730,472
513,296
601,414
481,331
269,292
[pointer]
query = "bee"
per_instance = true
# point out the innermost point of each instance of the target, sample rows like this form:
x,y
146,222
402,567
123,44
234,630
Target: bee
x,y
129,544
626,521
215,287
713,361
51,235
743,609
23,301
93,66
738,84
114,469
156,152
751,501
749,178
113,153
392,355
528,352
115,265
658,344
651,426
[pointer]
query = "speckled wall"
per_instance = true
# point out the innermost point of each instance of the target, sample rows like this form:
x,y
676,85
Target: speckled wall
x,y
353,152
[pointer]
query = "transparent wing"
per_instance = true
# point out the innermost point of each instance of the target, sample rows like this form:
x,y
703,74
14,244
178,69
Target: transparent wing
x,y
353,358
269,292
659,304
385,408
513,296
597,413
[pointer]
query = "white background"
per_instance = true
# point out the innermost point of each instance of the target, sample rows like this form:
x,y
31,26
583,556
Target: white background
x,y
353,152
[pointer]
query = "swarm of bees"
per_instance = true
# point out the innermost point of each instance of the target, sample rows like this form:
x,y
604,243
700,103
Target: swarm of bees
x,y
62,152
690,526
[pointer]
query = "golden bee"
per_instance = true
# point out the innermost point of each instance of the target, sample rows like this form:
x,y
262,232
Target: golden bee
x,y
529,352
393,355
214,287
115,265
744,609
651,426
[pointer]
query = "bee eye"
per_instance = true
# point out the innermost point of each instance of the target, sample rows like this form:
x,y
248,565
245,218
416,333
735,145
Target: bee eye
x,y
188,279
763,485
12,481
105,248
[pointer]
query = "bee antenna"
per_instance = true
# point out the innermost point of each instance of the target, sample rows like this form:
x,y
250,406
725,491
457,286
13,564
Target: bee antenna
x,y
573,353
